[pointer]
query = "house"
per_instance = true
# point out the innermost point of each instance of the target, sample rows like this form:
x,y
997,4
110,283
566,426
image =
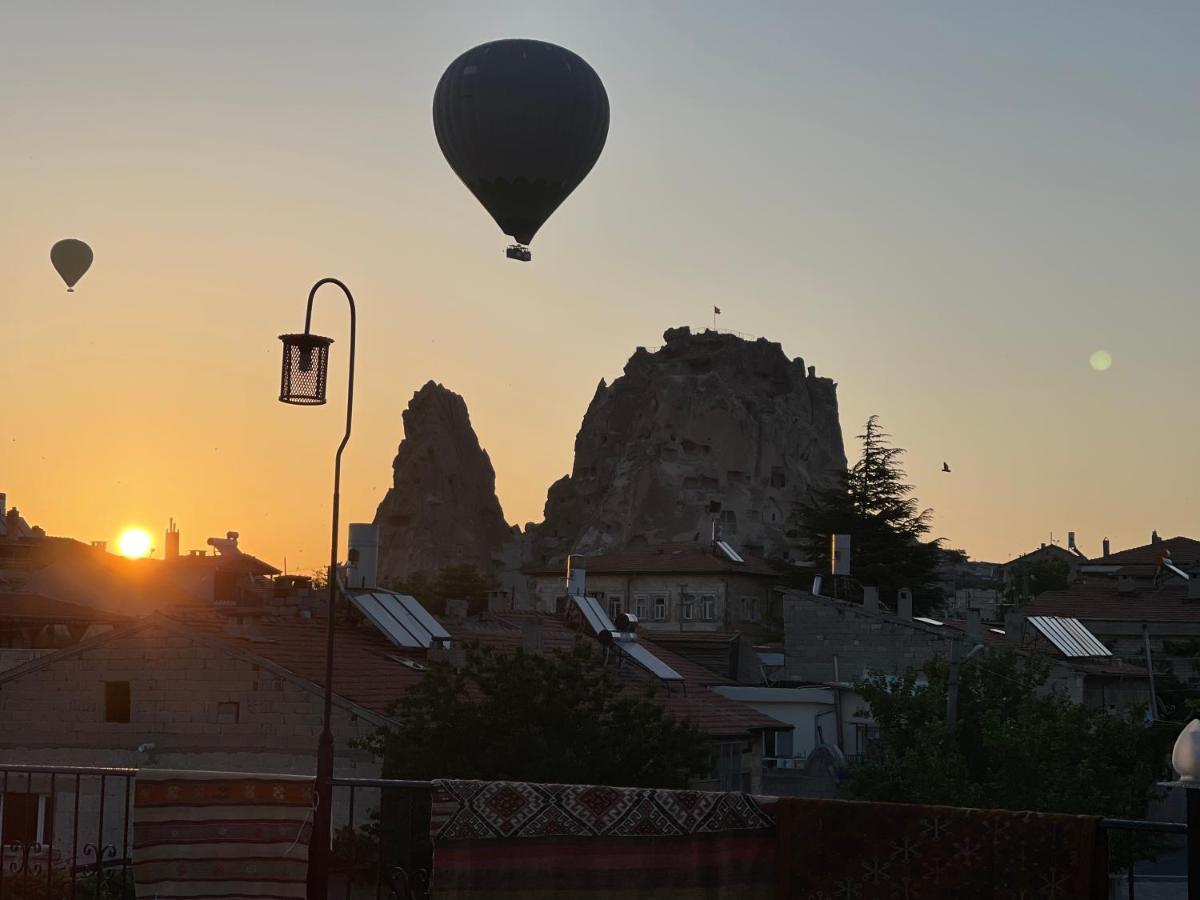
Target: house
x,y
828,640
1147,596
32,625
1020,575
681,586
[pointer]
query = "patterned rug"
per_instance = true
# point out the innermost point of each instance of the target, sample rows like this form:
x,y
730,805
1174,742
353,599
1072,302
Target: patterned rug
x,y
500,840
220,834
871,851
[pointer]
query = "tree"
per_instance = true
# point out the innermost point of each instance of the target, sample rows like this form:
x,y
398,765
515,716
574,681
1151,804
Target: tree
x,y
1014,745
461,582
873,504
1027,579
562,717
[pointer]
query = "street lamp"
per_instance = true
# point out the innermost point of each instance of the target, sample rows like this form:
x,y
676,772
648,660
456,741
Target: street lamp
x,y
302,383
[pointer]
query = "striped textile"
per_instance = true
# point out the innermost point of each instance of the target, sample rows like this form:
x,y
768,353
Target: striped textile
x,y
221,835
516,841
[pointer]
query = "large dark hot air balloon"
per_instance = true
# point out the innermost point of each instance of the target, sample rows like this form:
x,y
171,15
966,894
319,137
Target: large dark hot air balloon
x,y
71,258
522,123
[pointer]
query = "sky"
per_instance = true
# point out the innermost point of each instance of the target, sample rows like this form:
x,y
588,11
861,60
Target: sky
x,y
945,207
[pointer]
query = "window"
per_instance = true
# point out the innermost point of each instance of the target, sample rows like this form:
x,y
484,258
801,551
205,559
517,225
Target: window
x,y
660,608
228,713
689,608
641,607
708,608
27,818
750,609
614,607
116,701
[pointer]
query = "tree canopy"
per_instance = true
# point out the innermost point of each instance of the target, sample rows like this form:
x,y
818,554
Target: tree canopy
x,y
875,506
461,582
1014,744
560,717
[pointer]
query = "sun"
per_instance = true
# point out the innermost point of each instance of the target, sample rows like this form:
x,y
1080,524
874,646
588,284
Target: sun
x,y
134,543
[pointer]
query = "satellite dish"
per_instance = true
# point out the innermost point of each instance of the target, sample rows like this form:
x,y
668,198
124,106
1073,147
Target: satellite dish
x,y
521,122
71,259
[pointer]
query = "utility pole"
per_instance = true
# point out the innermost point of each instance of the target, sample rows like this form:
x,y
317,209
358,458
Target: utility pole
x,y
1150,672
952,684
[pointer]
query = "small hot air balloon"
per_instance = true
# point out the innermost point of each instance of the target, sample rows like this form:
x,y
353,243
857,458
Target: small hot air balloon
x,y
521,122
72,259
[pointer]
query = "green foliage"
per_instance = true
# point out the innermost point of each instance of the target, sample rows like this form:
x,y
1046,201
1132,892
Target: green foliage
x,y
1028,579
562,717
463,582
1015,744
874,505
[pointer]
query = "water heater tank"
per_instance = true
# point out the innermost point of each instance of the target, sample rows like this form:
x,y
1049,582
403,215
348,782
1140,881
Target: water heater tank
x,y
362,560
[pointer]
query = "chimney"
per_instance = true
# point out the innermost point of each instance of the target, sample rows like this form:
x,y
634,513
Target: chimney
x,y
362,556
1070,540
1107,547
904,603
3,505
871,599
974,625
172,542
531,636
1154,538
576,576
1014,626
457,609
839,554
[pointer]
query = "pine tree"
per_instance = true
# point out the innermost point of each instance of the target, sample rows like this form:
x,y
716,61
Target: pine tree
x,y
874,505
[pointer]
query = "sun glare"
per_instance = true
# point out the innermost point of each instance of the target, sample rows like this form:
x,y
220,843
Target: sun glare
x,y
134,543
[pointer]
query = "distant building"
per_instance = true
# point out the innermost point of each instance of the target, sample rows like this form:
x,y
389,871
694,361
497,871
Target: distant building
x,y
1144,595
681,586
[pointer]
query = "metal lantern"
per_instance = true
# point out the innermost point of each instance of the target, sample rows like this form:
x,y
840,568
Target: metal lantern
x,y
305,367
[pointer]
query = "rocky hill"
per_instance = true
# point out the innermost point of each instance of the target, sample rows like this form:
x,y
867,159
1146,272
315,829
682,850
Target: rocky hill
x,y
708,427
442,509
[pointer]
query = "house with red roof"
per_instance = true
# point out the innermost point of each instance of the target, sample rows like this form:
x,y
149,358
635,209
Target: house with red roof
x,y
1147,596
196,690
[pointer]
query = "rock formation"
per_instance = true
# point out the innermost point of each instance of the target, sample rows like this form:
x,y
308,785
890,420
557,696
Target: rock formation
x,y
708,427
442,509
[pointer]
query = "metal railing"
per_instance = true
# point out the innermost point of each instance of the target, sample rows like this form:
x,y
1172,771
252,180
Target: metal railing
x,y
381,843
65,833
1123,855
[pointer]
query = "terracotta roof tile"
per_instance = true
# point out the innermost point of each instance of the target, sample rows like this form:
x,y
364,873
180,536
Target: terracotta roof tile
x,y
39,608
1184,552
1101,601
665,559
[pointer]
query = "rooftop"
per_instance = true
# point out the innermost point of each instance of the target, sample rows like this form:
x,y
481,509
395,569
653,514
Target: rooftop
x,y
1185,551
665,559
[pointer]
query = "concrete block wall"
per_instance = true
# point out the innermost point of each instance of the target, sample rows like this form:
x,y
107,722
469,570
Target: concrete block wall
x,y
816,629
176,684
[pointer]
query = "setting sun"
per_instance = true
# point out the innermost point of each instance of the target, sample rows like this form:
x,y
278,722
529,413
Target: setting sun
x,y
134,543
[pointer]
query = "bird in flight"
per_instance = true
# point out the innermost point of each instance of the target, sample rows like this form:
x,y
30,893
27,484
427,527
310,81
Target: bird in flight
x,y
945,467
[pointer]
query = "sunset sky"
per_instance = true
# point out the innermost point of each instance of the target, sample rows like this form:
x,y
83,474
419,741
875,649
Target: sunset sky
x,y
946,209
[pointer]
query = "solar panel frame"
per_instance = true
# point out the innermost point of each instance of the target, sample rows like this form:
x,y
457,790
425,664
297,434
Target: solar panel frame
x,y
928,621
414,608
647,660
1070,636
728,550
593,614
1085,638
402,630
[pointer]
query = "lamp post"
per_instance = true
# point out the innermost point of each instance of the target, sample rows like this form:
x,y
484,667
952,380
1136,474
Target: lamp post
x,y
302,383
1185,758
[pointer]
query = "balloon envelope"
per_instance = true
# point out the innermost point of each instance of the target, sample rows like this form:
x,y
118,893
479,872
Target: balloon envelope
x,y
71,258
521,122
